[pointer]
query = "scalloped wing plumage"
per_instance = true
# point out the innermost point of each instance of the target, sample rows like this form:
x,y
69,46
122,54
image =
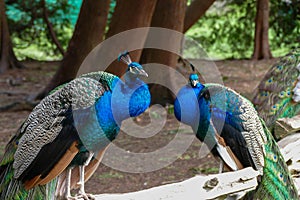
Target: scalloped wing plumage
x,y
48,115
243,115
45,122
276,181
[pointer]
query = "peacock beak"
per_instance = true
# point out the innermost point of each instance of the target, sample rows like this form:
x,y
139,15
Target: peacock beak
x,y
143,72
194,83
138,71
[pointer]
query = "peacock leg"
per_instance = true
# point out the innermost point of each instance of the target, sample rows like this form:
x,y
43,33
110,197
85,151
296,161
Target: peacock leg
x,y
81,193
68,184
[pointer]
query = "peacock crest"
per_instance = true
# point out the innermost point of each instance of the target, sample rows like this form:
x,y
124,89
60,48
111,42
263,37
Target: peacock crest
x,y
124,57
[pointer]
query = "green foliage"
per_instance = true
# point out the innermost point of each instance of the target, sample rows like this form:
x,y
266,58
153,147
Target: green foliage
x,y
112,6
285,23
29,31
227,29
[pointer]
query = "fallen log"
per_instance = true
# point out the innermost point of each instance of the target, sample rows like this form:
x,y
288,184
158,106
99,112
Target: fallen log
x,y
290,149
199,187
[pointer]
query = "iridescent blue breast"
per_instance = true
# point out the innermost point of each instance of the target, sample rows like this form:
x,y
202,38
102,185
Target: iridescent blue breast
x,y
186,107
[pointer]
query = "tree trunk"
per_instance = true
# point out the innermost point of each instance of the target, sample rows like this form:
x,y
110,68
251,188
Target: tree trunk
x,y
7,57
128,15
88,33
195,11
164,16
261,40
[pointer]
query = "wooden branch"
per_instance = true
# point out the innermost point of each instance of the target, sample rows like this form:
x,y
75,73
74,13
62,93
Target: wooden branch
x,y
198,187
290,149
50,28
286,126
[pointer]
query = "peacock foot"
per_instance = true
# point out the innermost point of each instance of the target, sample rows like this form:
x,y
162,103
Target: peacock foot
x,y
82,197
85,196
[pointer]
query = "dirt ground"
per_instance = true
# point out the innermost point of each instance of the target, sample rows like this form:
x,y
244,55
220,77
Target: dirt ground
x,y
16,85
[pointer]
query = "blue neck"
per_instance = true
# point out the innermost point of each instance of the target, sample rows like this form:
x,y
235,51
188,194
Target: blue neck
x,y
198,87
204,121
100,124
186,107
195,112
128,99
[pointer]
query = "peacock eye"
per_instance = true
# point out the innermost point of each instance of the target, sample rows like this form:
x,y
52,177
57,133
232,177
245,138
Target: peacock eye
x,y
269,81
275,158
282,94
279,67
282,178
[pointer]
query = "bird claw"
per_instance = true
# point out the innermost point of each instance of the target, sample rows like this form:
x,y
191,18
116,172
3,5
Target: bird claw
x,y
85,197
81,197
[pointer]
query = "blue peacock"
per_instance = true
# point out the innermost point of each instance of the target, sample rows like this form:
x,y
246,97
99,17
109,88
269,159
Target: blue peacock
x,y
278,93
68,129
230,126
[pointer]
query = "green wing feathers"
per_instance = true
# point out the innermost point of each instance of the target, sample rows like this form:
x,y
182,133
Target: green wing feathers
x,y
12,189
276,182
275,97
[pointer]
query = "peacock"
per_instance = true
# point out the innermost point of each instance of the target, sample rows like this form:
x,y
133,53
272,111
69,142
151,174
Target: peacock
x,y
69,128
231,128
278,94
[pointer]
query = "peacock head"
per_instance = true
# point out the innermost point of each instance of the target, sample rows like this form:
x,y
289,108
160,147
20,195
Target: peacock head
x,y
194,80
134,93
134,68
